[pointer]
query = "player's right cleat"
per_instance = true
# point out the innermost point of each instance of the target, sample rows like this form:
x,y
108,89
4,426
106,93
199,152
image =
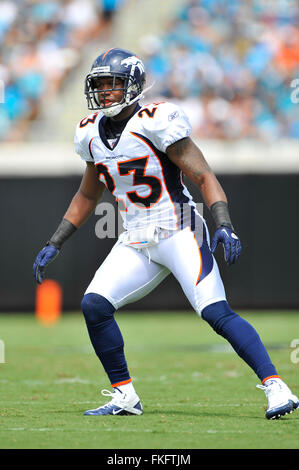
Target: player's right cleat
x,y
281,401
121,404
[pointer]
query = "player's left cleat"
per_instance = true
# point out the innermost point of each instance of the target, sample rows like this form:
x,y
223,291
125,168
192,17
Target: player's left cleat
x,y
121,404
281,401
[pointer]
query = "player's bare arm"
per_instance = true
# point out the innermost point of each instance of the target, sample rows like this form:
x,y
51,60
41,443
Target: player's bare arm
x,y
87,197
79,210
188,157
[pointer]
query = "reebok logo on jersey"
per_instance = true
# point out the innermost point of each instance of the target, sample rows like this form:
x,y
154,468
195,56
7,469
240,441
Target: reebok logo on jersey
x,y
173,115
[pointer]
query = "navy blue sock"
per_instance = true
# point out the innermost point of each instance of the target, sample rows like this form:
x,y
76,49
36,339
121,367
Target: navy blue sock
x,y
242,337
105,336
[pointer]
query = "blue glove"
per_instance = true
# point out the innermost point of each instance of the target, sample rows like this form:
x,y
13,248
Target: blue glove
x,y
231,244
44,257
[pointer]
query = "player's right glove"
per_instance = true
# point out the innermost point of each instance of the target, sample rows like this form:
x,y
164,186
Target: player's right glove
x,y
43,259
51,250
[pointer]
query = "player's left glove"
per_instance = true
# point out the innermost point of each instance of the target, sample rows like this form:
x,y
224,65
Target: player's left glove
x,y
231,244
43,259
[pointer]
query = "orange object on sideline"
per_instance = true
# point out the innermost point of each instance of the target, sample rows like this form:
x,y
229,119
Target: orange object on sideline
x,y
48,302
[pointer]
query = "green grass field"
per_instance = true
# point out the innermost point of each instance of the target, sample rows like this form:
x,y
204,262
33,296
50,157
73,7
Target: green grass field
x,y
196,392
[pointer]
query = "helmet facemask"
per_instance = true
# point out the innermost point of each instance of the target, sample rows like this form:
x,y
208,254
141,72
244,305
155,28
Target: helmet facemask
x,y
131,92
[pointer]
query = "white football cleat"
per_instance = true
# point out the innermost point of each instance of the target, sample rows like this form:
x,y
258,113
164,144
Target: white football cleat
x,y
281,401
121,404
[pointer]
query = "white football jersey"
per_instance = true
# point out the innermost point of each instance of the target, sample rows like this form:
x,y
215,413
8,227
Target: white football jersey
x,y
148,187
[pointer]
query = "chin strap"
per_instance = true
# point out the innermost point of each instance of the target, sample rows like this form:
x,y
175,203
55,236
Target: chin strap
x,y
141,95
116,109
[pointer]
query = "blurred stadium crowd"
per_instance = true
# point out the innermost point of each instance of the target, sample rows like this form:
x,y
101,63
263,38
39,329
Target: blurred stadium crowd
x,y
230,63
40,43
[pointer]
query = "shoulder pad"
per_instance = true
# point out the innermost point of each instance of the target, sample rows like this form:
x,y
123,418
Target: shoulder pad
x,y
164,123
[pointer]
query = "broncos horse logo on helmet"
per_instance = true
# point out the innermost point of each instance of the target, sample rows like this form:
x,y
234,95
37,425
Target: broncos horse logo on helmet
x,y
121,64
135,62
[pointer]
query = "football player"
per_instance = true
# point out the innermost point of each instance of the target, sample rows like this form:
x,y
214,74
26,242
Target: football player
x,y
140,153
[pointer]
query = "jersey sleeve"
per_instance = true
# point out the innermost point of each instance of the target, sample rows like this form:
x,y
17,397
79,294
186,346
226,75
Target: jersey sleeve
x,y
81,141
168,125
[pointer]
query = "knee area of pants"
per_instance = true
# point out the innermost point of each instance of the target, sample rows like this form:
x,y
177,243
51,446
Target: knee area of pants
x,y
218,314
96,309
